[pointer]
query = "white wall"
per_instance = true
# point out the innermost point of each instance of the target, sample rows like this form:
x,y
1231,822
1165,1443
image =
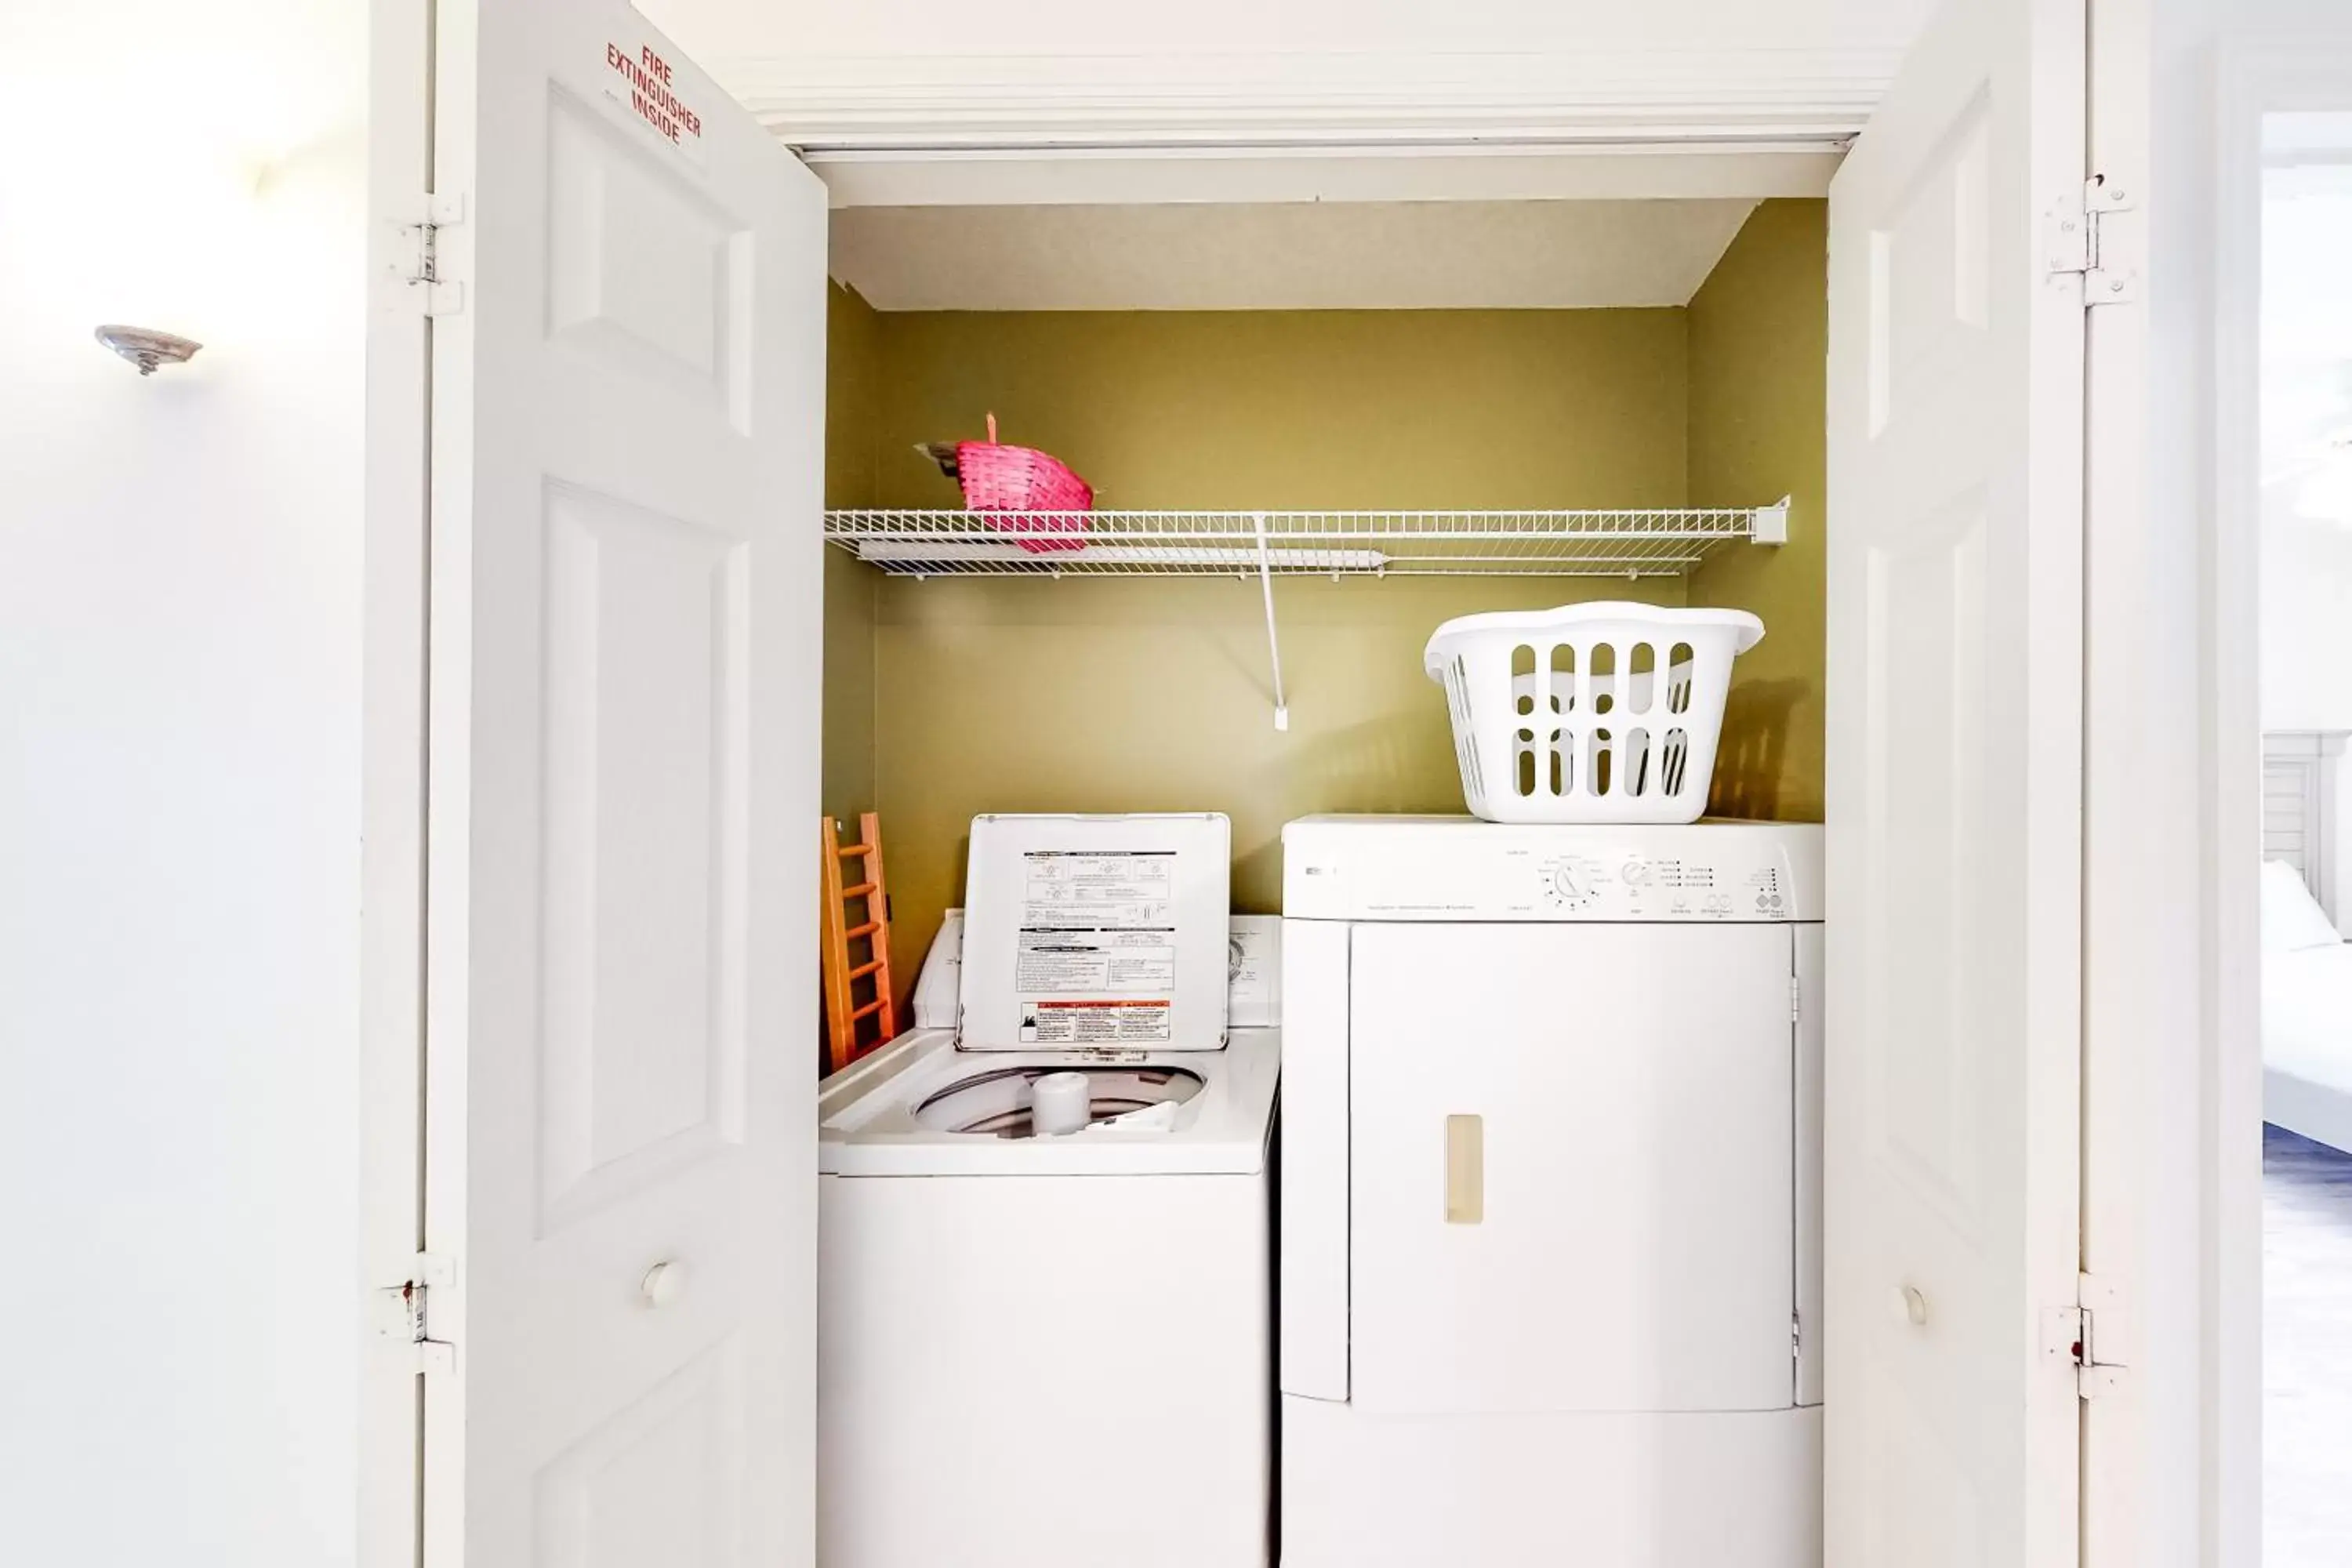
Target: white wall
x,y
2307,555
179,774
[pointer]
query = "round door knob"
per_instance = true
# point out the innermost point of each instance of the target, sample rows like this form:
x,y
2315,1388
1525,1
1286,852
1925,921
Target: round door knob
x,y
1909,1305
663,1283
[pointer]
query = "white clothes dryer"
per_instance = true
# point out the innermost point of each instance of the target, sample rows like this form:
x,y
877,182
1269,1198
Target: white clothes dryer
x,y
1550,1195
1056,1351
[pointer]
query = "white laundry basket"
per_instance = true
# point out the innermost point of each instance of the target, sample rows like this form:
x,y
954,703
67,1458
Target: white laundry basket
x,y
1559,715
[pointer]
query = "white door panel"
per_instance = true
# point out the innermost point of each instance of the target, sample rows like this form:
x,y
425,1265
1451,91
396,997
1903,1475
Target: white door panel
x,y
1629,1246
641,1000
1952,1081
627,424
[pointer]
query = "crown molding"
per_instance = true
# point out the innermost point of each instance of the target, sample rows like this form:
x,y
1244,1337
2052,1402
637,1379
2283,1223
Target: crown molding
x,y
1481,171
1621,97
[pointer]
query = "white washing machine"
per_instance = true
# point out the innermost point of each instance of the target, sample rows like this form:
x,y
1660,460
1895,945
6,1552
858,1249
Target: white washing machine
x,y
1550,1195
1056,1351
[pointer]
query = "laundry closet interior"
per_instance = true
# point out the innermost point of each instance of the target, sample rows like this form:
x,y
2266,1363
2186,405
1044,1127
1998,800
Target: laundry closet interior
x,y
1542,358
1337,1107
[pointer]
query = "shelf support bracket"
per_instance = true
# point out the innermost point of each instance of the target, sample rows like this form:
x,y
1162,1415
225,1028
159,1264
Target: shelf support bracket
x,y
1273,639
1771,526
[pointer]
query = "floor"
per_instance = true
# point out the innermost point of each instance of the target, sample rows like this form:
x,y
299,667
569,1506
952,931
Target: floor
x,y
2306,1354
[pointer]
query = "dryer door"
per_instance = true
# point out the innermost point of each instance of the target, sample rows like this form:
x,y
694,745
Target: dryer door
x,y
1571,1161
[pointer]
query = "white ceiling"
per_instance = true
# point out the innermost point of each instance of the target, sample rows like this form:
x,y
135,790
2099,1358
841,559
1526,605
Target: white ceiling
x,y
1284,255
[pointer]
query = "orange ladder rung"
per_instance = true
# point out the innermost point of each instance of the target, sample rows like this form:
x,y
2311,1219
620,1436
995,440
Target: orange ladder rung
x,y
871,1007
858,891
865,969
868,929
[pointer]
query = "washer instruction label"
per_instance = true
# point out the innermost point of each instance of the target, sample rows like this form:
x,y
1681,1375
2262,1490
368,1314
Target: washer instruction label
x,y
1098,958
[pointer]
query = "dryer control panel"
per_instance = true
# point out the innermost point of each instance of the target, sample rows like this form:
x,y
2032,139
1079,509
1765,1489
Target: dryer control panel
x,y
1457,868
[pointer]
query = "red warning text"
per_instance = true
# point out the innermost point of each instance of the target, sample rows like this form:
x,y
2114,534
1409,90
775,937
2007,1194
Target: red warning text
x,y
648,78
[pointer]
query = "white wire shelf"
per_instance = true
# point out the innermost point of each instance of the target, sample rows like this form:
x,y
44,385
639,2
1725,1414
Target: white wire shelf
x,y
1270,545
1620,545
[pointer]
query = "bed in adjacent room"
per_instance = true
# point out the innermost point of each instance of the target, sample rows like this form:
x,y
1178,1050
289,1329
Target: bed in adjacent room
x,y
2306,964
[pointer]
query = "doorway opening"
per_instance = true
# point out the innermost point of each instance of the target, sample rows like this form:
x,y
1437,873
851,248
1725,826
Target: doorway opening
x,y
2306,647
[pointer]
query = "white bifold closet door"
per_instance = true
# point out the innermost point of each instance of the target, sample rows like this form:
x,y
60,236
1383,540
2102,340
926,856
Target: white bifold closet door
x,y
626,516
1955,787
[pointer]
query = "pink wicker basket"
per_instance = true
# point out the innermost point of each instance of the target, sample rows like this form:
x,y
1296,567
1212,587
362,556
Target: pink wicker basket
x,y
998,478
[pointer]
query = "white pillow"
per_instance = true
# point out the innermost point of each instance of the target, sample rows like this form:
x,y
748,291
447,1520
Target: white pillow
x,y
2291,919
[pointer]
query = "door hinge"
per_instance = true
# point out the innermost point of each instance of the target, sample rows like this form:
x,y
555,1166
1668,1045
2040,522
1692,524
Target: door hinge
x,y
1796,1000
422,269
404,1324
1796,1337
2078,240
2073,1333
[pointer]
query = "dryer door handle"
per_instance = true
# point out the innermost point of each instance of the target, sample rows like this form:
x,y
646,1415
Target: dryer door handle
x,y
1465,1170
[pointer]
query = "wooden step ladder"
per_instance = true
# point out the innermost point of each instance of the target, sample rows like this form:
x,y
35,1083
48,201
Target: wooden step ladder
x,y
846,926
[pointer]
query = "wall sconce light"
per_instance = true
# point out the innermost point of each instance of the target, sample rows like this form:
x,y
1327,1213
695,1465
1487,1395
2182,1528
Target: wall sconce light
x,y
148,350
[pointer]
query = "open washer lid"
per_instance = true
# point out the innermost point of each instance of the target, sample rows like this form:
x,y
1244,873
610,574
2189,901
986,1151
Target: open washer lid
x,y
1096,933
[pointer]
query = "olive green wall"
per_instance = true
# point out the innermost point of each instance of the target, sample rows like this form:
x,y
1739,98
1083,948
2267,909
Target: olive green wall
x,y
1310,408
1759,420
1136,695
1036,695
1153,694
852,407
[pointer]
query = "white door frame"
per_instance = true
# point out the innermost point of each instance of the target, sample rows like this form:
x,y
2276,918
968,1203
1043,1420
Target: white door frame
x,y
2255,76
392,767
2139,933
